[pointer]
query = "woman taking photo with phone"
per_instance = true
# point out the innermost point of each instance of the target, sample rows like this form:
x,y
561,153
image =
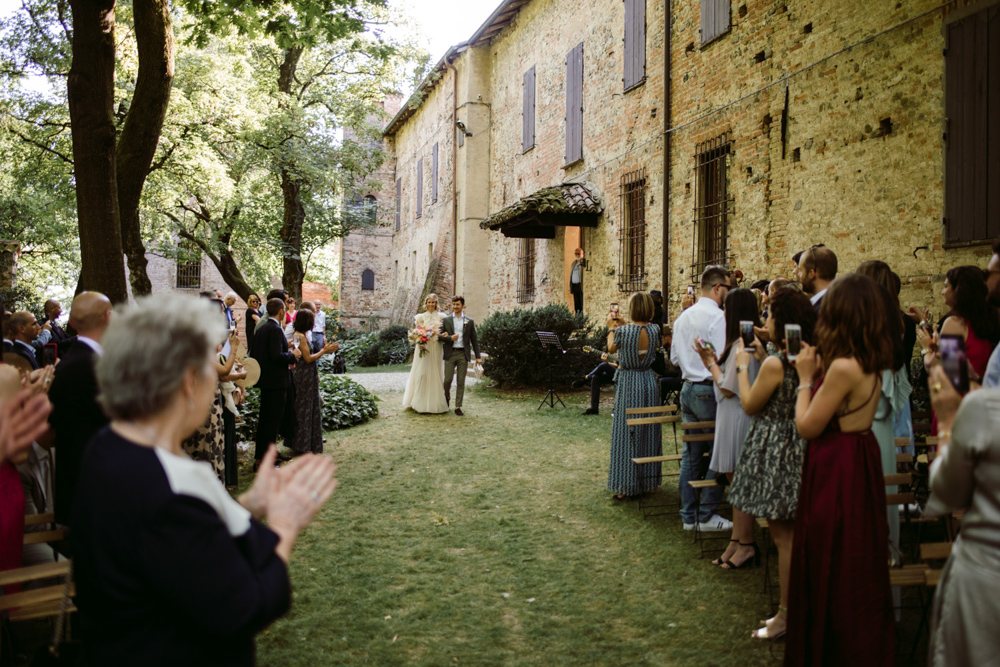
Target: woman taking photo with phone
x,y
766,483
840,606
731,422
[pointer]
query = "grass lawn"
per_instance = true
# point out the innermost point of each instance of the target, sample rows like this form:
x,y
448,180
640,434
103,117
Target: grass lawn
x,y
491,540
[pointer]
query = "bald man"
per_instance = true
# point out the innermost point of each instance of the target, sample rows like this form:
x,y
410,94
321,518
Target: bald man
x,y
76,416
53,310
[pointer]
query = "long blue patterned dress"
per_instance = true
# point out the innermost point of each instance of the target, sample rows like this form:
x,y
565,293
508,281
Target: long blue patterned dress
x,y
636,387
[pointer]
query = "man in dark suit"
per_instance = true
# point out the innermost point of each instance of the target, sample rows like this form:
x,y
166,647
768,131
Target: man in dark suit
x,y
458,337
277,396
76,416
53,309
23,329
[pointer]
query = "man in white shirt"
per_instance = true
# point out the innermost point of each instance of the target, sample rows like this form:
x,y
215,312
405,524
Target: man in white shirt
x,y
458,338
706,321
319,328
817,267
576,281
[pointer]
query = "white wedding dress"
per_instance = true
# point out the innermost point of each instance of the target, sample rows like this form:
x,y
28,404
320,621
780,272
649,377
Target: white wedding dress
x,y
425,386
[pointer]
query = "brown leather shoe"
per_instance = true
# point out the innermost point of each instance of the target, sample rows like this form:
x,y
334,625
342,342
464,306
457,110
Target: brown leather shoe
x,y
458,411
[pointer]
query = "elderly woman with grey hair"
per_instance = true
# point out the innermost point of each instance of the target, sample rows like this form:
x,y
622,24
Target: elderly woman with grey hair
x,y
169,568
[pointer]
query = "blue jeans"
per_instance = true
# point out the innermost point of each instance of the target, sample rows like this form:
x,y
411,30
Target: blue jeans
x,y
697,405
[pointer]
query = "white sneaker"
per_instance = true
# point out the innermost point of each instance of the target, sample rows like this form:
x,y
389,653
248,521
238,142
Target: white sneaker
x,y
715,524
688,526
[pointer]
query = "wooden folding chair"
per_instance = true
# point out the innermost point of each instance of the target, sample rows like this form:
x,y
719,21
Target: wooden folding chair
x,y
700,484
662,414
37,602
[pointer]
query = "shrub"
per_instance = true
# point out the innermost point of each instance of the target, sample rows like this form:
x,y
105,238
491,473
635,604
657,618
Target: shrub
x,y
345,403
386,346
22,298
516,357
334,329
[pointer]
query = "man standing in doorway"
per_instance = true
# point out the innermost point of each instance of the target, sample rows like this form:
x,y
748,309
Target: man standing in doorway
x,y
458,338
576,281
706,321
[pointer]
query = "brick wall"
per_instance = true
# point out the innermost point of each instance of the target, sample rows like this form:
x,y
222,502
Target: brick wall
x,y
860,166
854,159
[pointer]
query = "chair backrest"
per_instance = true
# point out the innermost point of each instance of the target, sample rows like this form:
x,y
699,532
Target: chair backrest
x,y
698,426
905,498
36,602
661,414
935,550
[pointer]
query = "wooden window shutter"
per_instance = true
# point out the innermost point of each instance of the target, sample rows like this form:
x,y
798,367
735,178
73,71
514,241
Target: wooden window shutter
x,y
528,114
399,200
635,43
993,123
574,104
714,19
967,148
420,187
434,174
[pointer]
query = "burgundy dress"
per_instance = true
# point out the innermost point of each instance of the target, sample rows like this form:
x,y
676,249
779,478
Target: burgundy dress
x,y
839,601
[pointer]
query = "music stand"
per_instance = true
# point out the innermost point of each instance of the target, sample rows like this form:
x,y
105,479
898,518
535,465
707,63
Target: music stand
x,y
550,342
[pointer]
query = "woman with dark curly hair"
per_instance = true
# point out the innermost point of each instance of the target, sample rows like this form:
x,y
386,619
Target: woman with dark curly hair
x,y
769,472
840,606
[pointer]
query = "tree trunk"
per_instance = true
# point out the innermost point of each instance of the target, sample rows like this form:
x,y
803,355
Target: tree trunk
x,y
291,189
90,90
226,264
140,135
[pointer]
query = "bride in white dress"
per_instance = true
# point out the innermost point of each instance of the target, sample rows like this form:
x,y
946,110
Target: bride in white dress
x,y
425,386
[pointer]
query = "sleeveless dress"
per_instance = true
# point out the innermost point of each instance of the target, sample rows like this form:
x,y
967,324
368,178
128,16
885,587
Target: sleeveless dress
x,y
636,387
840,604
308,409
425,386
978,351
208,443
769,472
731,423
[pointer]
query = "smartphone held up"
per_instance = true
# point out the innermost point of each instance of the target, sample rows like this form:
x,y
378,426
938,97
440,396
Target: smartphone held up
x,y
793,341
746,333
955,361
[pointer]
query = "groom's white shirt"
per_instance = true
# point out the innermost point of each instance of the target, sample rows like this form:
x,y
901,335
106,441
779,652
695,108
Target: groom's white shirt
x,y
459,321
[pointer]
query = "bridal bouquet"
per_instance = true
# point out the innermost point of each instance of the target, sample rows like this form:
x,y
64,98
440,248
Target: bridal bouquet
x,y
420,336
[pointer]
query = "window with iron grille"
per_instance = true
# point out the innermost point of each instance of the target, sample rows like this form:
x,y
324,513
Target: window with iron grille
x,y
632,233
188,267
526,271
713,204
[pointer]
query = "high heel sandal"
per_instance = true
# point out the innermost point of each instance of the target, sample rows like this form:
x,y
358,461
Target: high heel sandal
x,y
751,562
719,561
762,633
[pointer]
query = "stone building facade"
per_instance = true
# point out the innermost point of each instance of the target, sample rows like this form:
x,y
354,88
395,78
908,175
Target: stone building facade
x,y
785,123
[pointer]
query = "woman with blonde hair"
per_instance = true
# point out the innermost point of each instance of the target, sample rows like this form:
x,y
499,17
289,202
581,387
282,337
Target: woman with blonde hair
x,y
425,385
636,387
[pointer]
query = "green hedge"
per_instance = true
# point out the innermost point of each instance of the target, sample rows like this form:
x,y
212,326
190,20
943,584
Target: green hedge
x,y
345,403
516,357
379,348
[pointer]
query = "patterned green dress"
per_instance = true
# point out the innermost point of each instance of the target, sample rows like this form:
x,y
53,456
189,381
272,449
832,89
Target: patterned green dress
x,y
769,472
635,387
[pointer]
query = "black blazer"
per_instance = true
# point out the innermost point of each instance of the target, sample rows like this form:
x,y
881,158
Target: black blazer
x,y
59,336
270,349
22,351
469,339
76,418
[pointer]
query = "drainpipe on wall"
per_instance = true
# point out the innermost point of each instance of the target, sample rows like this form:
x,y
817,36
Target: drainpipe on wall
x,y
666,149
454,181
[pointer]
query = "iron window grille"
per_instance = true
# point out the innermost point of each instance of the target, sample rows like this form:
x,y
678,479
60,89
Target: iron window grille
x,y
713,203
526,271
632,233
188,269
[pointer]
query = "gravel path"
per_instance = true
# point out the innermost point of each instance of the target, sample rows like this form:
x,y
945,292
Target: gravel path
x,y
379,383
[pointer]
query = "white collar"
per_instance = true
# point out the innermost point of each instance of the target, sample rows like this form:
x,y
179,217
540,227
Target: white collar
x,y
708,302
92,344
817,296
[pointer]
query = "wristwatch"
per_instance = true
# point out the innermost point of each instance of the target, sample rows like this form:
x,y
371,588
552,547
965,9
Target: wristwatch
x,y
740,369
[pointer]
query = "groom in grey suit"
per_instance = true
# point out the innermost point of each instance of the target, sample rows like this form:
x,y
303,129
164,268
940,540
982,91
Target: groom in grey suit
x,y
458,338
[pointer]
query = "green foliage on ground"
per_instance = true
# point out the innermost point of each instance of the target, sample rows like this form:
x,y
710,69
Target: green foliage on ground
x,y
379,348
516,357
345,403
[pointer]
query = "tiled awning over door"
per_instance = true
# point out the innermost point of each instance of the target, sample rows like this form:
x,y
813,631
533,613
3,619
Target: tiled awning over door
x,y
537,215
